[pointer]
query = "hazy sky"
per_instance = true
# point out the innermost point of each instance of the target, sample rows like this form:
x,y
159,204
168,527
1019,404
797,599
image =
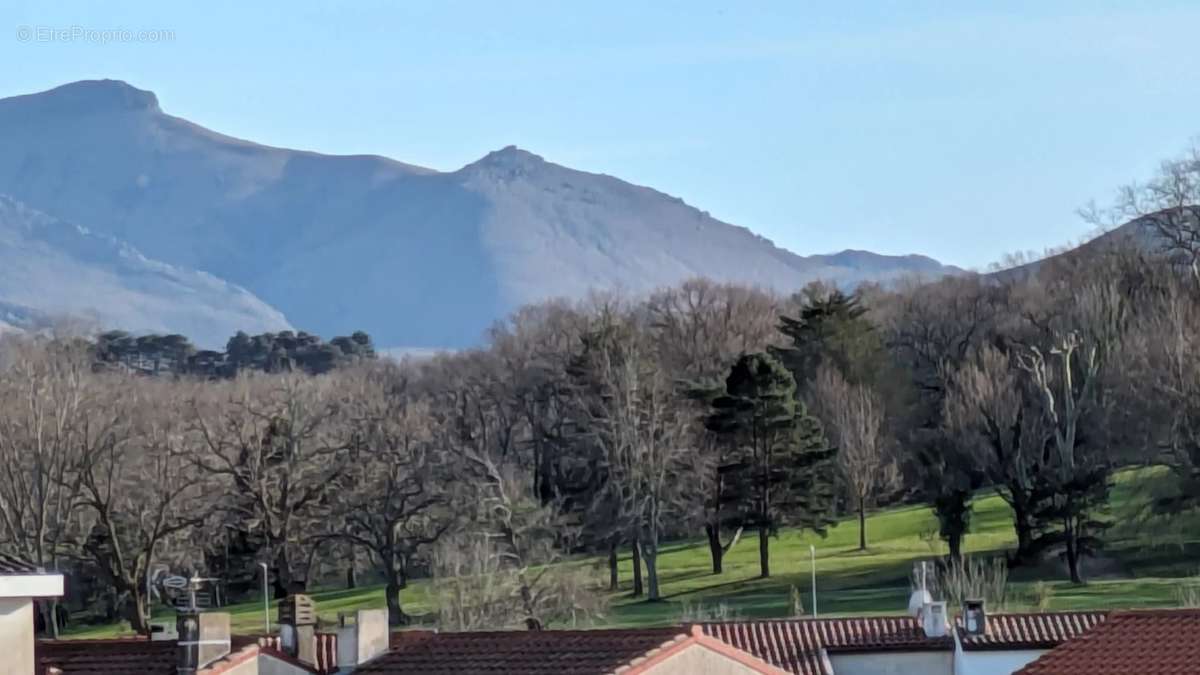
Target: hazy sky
x,y
932,127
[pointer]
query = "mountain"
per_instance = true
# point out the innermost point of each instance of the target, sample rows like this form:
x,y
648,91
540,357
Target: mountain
x,y
416,257
1138,234
50,268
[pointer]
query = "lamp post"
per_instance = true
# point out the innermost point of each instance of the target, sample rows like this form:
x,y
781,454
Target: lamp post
x,y
812,551
266,600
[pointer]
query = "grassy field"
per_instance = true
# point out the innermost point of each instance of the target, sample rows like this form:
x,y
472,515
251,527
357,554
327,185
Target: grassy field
x,y
1144,565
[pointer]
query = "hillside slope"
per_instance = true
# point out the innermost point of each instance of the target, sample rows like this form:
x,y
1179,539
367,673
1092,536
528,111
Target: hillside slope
x,y
50,268
414,256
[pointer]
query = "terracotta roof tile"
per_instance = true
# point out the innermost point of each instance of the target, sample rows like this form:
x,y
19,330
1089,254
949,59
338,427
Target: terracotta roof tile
x,y
799,645
532,652
127,656
1029,631
1161,642
10,564
139,656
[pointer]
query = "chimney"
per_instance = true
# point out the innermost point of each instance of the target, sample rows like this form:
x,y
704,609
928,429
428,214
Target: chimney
x,y
933,619
162,631
203,638
364,640
974,617
297,628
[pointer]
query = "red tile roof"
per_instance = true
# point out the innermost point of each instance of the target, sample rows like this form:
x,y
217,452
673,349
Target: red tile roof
x,y
799,645
547,652
1160,642
140,656
1029,631
125,656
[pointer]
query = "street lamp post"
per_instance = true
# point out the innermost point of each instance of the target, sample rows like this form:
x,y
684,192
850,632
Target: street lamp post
x,y
266,600
812,551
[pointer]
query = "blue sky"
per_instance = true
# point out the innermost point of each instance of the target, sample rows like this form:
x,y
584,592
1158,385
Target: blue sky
x,y
958,130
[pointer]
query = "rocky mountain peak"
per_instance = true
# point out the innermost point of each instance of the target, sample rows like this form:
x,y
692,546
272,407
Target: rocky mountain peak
x,y
87,96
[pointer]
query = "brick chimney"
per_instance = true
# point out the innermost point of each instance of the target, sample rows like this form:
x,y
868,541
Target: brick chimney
x,y
297,628
203,638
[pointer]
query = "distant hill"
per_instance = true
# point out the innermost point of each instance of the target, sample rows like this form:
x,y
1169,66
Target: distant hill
x,y
50,268
1138,233
413,256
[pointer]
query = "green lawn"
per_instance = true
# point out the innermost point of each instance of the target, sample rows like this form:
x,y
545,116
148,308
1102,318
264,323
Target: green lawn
x,y
1145,563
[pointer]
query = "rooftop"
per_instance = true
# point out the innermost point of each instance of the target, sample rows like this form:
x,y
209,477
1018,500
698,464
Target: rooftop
x,y
534,652
1029,631
1160,642
127,656
140,656
799,645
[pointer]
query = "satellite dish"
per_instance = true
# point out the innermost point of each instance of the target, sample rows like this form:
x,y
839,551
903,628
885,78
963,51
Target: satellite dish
x,y
175,583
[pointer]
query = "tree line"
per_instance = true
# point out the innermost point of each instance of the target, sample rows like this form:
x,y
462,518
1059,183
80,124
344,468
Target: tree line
x,y
610,426
175,354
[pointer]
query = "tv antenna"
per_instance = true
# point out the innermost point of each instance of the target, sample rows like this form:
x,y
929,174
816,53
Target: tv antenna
x,y
189,594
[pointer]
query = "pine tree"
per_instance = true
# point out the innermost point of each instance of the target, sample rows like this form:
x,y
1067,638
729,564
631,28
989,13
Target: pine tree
x,y
782,470
831,328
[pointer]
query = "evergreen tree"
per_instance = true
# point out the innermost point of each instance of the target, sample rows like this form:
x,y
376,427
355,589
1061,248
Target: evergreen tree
x,y
832,327
782,470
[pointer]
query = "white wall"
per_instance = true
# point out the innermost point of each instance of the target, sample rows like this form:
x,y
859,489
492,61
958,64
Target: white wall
x,y
893,663
700,659
268,665
995,662
16,636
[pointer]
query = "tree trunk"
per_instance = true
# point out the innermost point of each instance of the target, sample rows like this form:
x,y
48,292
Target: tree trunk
x,y
862,524
650,554
637,569
48,610
352,569
1072,553
764,552
613,575
283,583
1023,524
135,612
396,615
714,547
955,543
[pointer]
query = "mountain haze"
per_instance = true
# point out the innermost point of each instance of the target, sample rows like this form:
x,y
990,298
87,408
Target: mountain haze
x,y
51,269
414,256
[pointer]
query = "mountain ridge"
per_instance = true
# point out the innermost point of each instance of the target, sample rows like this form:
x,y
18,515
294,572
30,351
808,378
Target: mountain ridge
x,y
415,256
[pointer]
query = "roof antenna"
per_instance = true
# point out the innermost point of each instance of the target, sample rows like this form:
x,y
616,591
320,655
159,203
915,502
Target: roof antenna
x,y
920,596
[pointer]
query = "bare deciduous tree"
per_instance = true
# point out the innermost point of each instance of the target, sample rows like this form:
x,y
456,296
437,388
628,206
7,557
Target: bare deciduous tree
x,y
44,386
632,415
1168,205
853,418
278,444
986,410
397,503
141,492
